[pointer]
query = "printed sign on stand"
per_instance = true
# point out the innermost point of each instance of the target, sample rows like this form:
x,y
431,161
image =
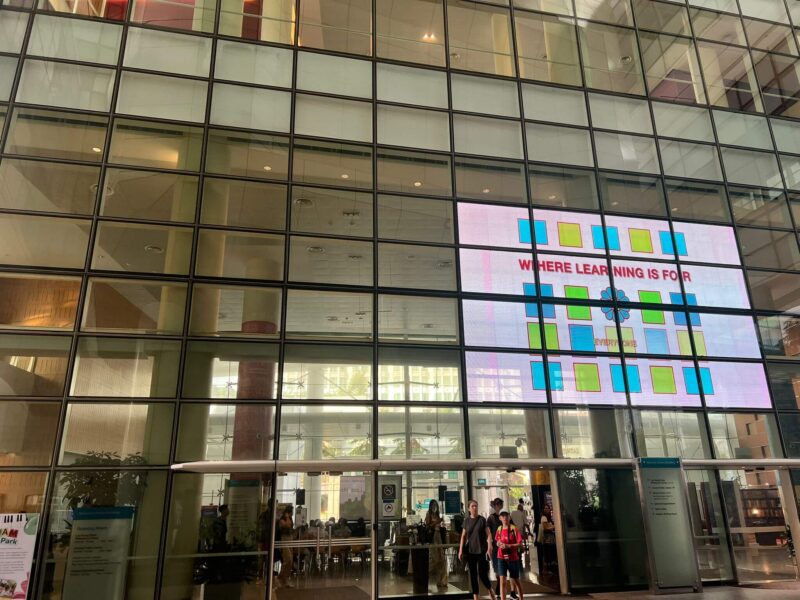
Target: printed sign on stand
x,y
17,541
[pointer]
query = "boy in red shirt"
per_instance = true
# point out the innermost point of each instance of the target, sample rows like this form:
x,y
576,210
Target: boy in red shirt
x,y
509,540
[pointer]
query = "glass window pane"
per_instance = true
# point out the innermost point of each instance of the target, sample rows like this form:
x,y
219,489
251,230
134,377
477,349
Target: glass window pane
x,y
38,301
414,432
75,39
663,17
334,75
131,306
684,159
231,370
160,145
503,432
168,52
632,194
769,249
751,168
247,154
331,163
197,16
80,497
753,206
784,381
327,260
565,188
266,22
12,30
623,114
768,290
130,368
790,166
327,372
771,10
132,434
8,69
411,31
313,314
610,58
420,267
43,241
779,80
239,255
48,187
235,311
490,180
626,152
479,38
243,203
29,431
718,27
548,143
686,122
417,319
249,63
787,135
557,105
33,365
547,48
325,432
416,219
484,95
333,118
701,201
731,434
149,195
329,211
739,129
492,137
413,127
162,97
411,374
337,25
142,248
414,172
730,77
561,7
409,85
56,135
671,433
66,85
617,12
250,108
111,11
770,36
671,69
777,335
225,432
578,433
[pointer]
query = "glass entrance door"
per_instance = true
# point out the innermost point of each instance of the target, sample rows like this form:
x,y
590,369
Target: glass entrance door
x,y
708,526
527,496
755,503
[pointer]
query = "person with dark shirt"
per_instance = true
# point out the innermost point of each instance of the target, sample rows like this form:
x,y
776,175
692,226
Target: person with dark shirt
x,y
478,539
219,530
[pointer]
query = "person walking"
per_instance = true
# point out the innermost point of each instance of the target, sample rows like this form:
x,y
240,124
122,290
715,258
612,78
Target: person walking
x,y
494,523
477,538
436,532
547,532
509,540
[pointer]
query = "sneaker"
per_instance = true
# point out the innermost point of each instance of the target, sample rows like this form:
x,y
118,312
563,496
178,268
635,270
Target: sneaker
x,y
513,595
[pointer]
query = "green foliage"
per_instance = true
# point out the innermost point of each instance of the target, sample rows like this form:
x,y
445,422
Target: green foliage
x,y
104,487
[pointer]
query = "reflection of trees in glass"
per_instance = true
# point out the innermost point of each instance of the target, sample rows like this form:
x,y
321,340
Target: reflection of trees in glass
x,y
104,488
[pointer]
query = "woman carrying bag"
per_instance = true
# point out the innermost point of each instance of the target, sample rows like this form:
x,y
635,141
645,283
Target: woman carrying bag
x,y
478,540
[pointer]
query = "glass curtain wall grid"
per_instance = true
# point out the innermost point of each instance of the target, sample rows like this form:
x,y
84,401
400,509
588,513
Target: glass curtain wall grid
x,y
425,229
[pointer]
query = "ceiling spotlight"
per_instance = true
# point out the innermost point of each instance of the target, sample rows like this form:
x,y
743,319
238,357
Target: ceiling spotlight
x,y
267,168
428,326
304,202
444,264
551,197
455,55
417,184
344,176
429,37
355,256
154,249
674,209
486,190
97,149
625,60
315,249
614,203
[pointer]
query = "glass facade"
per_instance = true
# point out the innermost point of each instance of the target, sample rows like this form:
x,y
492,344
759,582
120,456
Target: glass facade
x,y
302,230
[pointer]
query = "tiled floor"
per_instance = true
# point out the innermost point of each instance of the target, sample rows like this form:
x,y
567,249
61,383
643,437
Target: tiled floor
x,y
777,591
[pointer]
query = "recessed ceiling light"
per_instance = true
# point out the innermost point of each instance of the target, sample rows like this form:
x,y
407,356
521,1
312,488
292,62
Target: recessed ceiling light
x,y
315,249
332,318
355,256
267,168
417,184
551,197
97,149
429,37
303,202
428,326
625,60
455,55
344,176
674,209
615,203
154,249
486,190
444,264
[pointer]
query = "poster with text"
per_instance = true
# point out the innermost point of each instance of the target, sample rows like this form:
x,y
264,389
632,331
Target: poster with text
x,y
17,541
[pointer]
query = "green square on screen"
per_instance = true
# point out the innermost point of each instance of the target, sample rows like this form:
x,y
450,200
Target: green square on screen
x,y
534,336
579,313
651,317
587,377
641,241
663,380
569,234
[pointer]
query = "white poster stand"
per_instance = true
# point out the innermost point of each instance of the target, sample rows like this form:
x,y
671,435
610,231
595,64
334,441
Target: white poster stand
x,y
17,541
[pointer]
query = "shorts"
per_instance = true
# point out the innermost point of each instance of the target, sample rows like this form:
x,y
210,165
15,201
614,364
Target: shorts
x,y
508,568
